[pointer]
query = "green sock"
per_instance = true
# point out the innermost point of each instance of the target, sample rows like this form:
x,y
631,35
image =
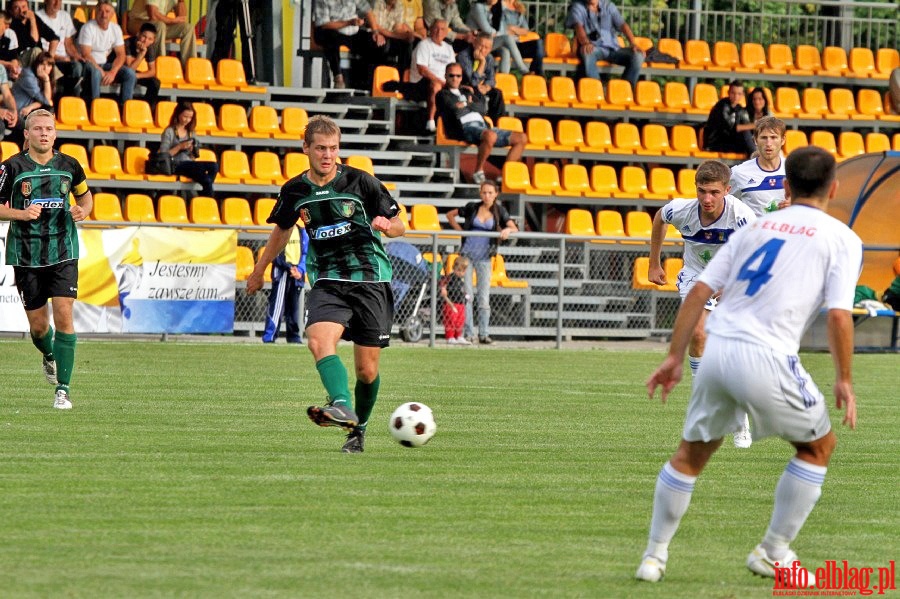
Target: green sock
x,y
45,343
64,350
366,396
334,378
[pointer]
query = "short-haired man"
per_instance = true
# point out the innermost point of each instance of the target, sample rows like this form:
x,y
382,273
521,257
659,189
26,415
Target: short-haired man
x,y
42,246
345,211
752,364
479,74
759,182
167,28
141,49
459,35
340,23
429,62
597,24
30,32
99,39
464,123
728,127
67,55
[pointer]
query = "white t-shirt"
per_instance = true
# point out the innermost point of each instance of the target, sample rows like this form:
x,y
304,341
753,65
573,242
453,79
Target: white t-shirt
x,y
61,25
13,39
101,42
702,242
778,272
760,189
432,56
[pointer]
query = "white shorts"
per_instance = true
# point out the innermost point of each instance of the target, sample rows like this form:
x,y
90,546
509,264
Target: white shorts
x,y
773,388
685,283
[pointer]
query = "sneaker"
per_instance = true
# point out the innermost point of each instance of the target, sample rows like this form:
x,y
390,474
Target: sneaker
x,y
478,177
463,341
485,340
452,341
651,569
332,415
355,441
742,438
50,371
761,564
430,126
62,400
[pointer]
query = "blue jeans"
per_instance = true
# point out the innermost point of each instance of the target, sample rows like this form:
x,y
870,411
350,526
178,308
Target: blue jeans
x,y
199,171
480,298
125,77
626,57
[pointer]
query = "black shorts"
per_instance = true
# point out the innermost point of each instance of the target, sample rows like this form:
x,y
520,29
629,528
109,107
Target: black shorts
x,y
366,310
38,284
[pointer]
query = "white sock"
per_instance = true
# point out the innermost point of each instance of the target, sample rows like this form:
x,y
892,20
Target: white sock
x,y
695,364
670,502
796,494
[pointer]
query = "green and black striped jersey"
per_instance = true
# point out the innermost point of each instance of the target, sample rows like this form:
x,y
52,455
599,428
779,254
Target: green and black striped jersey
x,y
52,238
338,216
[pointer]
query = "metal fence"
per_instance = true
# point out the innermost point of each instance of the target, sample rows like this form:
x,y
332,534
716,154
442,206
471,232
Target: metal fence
x,y
830,23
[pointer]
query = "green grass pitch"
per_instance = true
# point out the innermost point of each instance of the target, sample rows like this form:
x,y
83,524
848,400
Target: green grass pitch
x,y
190,470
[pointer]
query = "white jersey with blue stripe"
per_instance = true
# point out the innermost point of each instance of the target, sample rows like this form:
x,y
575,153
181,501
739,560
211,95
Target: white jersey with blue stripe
x,y
760,189
701,242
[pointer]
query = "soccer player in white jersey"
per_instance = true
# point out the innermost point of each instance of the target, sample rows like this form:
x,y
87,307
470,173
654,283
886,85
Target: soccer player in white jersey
x,y
752,364
706,223
759,182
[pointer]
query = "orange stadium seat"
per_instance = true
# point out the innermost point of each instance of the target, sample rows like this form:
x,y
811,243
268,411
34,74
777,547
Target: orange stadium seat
x,y
562,92
787,102
135,160
107,207
704,98
515,177
794,139
638,224
609,224
697,55
824,140
725,57
633,182
780,60
662,182
262,208
558,49
233,122
8,149
834,62
510,123
579,222
79,153
671,47
575,181
230,73
266,166
619,93
105,116
293,122
597,137
753,58
862,62
263,121
107,163
138,116
199,73
544,179
807,60
236,211
868,102
590,93
648,95
243,263
295,163
604,181
540,134
163,113
850,144
71,114
626,139
170,73
687,183
507,83
569,136
655,141
534,90
886,60
205,116
841,104
171,209
676,97
877,142
204,211
383,74
139,208
815,103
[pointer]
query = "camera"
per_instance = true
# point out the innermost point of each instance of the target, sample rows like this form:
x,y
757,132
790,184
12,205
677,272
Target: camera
x,y
594,36
195,148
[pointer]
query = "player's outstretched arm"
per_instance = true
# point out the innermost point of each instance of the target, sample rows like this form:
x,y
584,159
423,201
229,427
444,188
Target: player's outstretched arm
x,y
840,342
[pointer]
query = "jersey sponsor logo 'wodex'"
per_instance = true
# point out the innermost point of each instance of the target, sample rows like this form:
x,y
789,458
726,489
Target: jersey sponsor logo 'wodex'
x,y
331,231
47,202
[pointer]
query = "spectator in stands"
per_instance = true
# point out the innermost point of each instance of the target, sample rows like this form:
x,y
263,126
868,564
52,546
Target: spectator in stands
x,y
340,23
430,60
480,19
759,104
459,35
463,122
729,128
514,23
141,48
35,86
596,23
167,28
399,36
103,52
67,56
9,115
478,75
223,17
179,141
414,17
9,48
288,279
487,215
30,31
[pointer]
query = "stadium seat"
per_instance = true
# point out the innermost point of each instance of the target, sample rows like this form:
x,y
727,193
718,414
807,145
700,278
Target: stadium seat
x,y
568,135
794,139
815,103
263,121
886,60
199,73
633,182
232,122
243,263
687,183
575,182
638,224
787,102
230,73
834,62
662,183
684,140
516,178
850,144
824,140
424,217
107,207
640,275
725,57
590,94
704,98
163,113
626,139
205,116
105,117
441,139
266,166
869,104
171,209
383,74
655,141
235,168
841,104
79,153
558,49
170,73
672,235
262,208
135,160
293,122
8,149
511,123
499,276
107,164
236,212
862,62
780,60
295,163
672,47
579,222
540,134
138,116
534,92
619,93
609,224
753,58
676,97
604,181
139,208
563,92
544,179
672,266
648,95
507,83
877,142
204,211
71,114
896,142
807,60
597,137
697,55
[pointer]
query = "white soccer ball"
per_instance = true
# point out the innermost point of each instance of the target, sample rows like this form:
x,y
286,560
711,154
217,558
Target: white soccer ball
x,y
412,424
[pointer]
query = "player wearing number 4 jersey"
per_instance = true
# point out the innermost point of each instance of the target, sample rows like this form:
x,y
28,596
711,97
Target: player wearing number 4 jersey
x,y
776,274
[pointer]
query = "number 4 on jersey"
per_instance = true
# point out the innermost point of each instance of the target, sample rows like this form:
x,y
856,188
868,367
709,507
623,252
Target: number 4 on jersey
x,y
756,268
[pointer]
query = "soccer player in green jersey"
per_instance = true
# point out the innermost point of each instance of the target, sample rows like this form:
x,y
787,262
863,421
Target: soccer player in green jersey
x,y
345,211
42,246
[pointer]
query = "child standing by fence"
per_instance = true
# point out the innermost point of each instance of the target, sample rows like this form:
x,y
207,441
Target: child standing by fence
x,y
453,290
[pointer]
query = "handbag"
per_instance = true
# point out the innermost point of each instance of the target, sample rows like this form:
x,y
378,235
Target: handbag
x,y
160,163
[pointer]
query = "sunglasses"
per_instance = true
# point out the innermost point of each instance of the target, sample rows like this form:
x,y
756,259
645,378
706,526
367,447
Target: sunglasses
x,y
454,75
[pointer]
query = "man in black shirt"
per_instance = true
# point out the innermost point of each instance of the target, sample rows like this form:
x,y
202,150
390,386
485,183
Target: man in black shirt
x,y
728,128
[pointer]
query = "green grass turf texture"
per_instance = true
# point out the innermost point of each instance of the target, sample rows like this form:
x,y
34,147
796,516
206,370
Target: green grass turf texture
x,y
191,470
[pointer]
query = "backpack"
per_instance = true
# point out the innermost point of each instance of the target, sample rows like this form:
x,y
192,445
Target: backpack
x,y
654,55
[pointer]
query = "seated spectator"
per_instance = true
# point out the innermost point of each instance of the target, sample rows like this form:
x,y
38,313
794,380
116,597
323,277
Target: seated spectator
x,y
479,75
414,17
596,26
480,19
178,140
35,86
514,23
103,52
462,123
459,35
9,115
339,23
167,28
398,35
429,63
67,56
759,104
9,48
728,128
30,31
142,49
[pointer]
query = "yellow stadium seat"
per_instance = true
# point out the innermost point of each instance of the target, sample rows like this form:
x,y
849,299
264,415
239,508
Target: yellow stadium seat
x,y
164,111
534,92
676,97
263,121
648,95
8,149
235,168
633,182
850,144
672,266
687,183
266,166
135,160
877,142
807,60
841,104
869,104
725,57
590,93
787,102
579,222
262,208
544,179
604,181
697,55
655,141
752,58
597,136
516,178
107,207
540,134
424,217
672,47
511,123
441,139
609,224
558,49
684,140
824,140
626,139
507,83
815,103
171,209
138,116
563,93
79,153
499,276
834,62
293,122
780,60
896,142
233,122
662,182
139,208
236,212
199,73
205,116
575,181
862,62
295,163
107,163
204,211
243,263
886,60
640,275
71,114
170,73
383,74
638,224
230,73
794,139
704,98
105,116
619,93
568,135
